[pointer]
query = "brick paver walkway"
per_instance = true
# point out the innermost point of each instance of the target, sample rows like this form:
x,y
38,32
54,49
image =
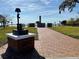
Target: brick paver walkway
x,y
52,43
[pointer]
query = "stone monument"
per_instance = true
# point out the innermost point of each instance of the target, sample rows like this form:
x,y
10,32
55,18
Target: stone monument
x,y
20,40
19,30
39,23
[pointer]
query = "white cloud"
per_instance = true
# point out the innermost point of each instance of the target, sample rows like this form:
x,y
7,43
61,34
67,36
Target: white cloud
x,y
49,13
34,7
25,5
46,1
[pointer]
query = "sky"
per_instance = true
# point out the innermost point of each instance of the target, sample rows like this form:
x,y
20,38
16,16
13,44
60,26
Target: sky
x,y
32,9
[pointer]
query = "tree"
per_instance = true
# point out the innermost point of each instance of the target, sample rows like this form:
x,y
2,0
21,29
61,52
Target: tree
x,y
71,22
3,20
64,22
76,22
70,4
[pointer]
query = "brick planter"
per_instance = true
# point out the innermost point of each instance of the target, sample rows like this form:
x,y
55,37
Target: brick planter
x,y
22,43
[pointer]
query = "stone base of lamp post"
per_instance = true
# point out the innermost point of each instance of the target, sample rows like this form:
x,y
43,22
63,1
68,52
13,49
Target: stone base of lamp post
x,y
22,43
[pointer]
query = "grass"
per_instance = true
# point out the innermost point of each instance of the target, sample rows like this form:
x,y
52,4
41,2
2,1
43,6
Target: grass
x,y
32,29
3,36
68,30
3,31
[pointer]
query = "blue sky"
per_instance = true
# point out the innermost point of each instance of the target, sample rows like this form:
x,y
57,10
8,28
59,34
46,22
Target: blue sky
x,y
31,9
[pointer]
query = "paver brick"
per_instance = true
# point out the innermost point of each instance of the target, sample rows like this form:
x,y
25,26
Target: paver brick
x,y
53,43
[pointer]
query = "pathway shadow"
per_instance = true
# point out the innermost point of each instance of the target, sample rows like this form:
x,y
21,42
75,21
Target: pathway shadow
x,y
29,55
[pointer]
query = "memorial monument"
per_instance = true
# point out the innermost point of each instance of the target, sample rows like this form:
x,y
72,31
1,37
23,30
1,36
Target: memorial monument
x,y
19,30
39,23
20,39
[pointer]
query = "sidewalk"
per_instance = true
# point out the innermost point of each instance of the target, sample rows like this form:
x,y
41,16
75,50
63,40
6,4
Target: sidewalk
x,y
52,43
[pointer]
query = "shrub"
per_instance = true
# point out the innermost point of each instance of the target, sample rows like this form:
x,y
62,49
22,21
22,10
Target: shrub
x,y
41,25
31,24
49,24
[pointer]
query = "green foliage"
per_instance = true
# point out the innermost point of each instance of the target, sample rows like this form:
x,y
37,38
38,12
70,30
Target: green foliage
x,y
3,32
31,25
32,29
70,4
71,22
64,22
68,30
3,20
3,36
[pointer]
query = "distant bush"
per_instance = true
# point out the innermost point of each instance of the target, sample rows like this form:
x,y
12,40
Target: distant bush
x,y
71,22
64,22
49,24
41,25
31,25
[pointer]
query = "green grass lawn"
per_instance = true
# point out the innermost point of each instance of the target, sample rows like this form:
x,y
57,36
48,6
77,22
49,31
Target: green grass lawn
x,y
32,29
3,31
68,30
